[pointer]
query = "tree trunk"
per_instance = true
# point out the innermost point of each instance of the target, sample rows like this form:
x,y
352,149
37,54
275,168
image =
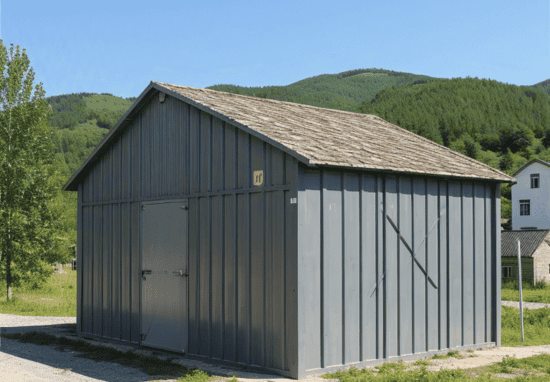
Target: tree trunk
x,y
8,268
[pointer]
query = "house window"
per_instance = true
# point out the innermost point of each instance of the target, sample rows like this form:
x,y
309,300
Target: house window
x,y
535,181
506,272
524,207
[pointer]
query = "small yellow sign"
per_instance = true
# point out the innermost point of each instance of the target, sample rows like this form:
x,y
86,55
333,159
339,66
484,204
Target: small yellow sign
x,y
258,178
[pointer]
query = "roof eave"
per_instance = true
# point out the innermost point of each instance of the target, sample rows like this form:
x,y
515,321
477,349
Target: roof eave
x,y
417,173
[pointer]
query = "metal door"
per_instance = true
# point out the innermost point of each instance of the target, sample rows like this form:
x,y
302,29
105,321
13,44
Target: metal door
x,y
164,275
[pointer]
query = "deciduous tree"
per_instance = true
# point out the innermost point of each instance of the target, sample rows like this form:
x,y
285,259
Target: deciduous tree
x,y
28,174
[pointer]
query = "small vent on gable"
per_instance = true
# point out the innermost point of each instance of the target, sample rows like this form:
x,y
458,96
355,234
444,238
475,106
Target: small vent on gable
x,y
161,96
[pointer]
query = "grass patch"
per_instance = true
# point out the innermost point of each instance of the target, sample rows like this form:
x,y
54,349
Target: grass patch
x,y
452,353
57,297
395,372
149,365
525,370
421,362
530,365
538,292
536,327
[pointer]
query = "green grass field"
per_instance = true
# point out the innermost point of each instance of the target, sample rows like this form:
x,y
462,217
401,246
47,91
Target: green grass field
x,y
56,298
530,292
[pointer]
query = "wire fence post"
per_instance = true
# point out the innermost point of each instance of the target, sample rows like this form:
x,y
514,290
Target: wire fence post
x,y
520,286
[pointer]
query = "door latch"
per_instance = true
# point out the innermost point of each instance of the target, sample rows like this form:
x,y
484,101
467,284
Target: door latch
x,y
150,272
143,273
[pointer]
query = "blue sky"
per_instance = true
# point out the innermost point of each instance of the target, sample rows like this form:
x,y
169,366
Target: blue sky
x,y
118,47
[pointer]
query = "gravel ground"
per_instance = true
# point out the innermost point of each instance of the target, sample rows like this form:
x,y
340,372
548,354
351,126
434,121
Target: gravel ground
x,y
29,362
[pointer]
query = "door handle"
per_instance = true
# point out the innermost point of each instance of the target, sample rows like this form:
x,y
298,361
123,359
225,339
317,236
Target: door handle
x,y
150,272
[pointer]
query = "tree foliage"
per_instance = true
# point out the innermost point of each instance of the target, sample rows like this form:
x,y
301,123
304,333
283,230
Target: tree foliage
x,y
28,173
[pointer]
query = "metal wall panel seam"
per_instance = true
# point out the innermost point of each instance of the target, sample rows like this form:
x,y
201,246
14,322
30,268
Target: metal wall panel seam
x,y
384,267
249,229
322,270
254,190
474,317
236,238
379,310
341,233
361,267
110,208
134,231
79,251
92,264
487,288
285,260
447,184
223,236
292,357
413,317
398,258
426,228
462,258
210,250
267,223
439,328
210,223
236,249
497,267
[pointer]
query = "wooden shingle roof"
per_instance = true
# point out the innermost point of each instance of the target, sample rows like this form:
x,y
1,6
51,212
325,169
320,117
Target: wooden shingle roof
x,y
529,239
338,138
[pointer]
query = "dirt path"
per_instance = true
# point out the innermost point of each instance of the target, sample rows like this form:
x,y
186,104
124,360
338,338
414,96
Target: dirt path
x,y
29,361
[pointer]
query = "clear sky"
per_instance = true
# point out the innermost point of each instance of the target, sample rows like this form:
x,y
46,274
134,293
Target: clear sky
x,y
118,47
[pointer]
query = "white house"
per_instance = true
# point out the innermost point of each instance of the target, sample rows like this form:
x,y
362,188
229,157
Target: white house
x,y
531,196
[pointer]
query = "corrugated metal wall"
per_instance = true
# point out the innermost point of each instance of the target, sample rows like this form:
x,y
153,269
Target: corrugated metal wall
x,y
361,296
242,238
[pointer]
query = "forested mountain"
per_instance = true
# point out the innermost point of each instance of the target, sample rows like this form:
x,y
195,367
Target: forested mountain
x,y
344,91
499,124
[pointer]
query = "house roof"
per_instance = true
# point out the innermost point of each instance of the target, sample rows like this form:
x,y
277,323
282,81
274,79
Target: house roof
x,y
530,162
318,136
530,241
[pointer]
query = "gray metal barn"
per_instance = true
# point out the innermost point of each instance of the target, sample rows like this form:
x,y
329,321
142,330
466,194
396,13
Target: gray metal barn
x,y
279,235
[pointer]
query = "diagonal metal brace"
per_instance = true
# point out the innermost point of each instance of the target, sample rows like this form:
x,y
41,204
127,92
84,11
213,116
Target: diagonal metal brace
x,y
409,249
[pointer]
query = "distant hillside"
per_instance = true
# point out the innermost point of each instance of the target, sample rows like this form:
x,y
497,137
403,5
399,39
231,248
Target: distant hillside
x,y
343,91
544,85
81,121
